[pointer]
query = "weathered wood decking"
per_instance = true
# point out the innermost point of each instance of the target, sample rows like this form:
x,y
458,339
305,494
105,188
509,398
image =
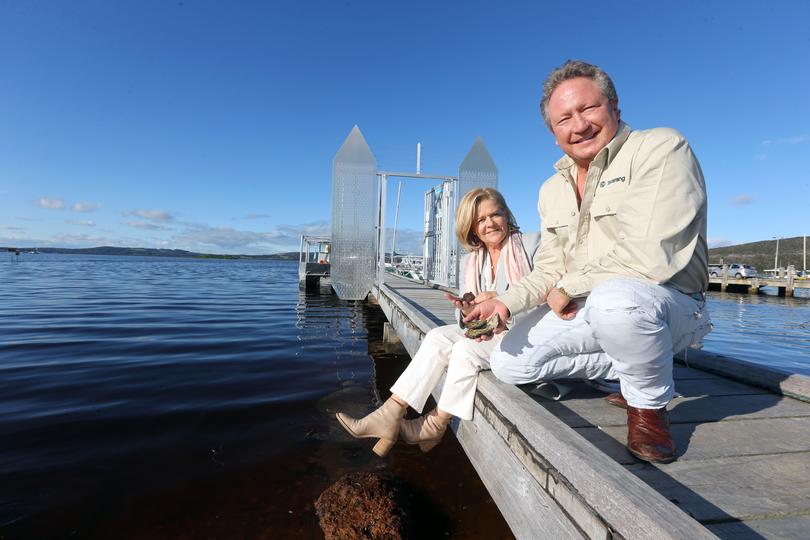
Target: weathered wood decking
x,y
560,469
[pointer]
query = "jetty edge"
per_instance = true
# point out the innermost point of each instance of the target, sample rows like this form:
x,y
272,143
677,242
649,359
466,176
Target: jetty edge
x,y
560,469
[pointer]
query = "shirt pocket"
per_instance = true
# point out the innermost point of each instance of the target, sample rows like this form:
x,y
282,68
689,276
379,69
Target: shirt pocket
x,y
604,211
560,225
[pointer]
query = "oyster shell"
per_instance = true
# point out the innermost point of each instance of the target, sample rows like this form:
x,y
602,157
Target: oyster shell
x,y
483,327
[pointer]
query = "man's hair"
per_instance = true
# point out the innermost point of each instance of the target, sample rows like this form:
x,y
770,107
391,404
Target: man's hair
x,y
573,69
465,216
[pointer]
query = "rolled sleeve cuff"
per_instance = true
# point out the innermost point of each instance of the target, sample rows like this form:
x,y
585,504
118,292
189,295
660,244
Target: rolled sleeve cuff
x,y
575,285
513,302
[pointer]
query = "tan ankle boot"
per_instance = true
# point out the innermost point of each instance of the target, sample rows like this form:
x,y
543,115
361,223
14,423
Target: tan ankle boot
x,y
382,423
426,431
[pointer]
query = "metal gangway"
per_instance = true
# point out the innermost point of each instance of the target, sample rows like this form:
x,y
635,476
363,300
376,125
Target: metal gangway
x,y
359,197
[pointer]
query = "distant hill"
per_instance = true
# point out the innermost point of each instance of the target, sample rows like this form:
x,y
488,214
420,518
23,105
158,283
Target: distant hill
x,y
154,252
761,254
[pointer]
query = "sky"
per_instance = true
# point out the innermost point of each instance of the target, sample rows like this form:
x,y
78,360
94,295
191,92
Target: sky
x,y
211,126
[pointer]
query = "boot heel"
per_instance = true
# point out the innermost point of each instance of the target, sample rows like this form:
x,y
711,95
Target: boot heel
x,y
429,445
383,446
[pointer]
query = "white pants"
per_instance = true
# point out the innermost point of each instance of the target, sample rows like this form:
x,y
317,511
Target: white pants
x,y
626,329
446,349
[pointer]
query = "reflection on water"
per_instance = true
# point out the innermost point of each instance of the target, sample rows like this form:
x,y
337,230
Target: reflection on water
x,y
176,398
766,329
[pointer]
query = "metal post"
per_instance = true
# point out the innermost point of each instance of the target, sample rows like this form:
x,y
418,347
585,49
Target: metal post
x,y
381,263
456,247
396,221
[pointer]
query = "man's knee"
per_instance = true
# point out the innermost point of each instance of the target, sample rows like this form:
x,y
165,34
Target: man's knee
x,y
621,303
502,365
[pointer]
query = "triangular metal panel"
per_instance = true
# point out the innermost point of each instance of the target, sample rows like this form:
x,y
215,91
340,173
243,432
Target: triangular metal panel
x,y
477,170
354,196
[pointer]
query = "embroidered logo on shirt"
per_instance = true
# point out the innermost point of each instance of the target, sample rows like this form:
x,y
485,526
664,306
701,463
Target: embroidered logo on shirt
x,y
611,181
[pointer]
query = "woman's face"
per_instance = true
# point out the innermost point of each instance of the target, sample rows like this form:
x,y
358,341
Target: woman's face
x,y
490,224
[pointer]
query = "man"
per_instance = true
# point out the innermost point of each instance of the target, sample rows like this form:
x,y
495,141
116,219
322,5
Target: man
x,y
622,263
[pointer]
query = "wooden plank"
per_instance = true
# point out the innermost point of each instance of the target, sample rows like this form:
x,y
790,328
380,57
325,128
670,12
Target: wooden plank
x,y
716,386
594,412
512,489
788,384
583,475
742,487
714,439
785,528
681,372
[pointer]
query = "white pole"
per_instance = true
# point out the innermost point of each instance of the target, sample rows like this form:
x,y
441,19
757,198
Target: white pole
x,y
418,158
381,263
804,255
396,220
776,257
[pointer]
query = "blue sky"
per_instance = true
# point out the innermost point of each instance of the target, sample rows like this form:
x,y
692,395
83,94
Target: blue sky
x,y
211,126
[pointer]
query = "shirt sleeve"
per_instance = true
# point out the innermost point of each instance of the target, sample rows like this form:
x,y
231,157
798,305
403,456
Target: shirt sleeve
x,y
548,267
660,217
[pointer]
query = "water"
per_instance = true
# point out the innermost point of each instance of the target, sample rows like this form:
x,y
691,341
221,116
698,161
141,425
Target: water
x,y
180,398
764,328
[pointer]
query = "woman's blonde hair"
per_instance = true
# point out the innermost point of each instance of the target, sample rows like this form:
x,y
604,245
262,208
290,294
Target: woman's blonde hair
x,y
465,216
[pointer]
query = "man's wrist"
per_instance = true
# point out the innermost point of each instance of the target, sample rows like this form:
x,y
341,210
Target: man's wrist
x,y
562,290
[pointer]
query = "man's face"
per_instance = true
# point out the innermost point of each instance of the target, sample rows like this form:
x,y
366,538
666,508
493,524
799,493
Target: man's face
x,y
582,119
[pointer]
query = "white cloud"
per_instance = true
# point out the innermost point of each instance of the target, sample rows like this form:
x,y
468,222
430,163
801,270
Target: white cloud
x,y
81,222
790,141
51,203
146,226
85,207
229,240
26,218
742,200
153,215
257,216
718,241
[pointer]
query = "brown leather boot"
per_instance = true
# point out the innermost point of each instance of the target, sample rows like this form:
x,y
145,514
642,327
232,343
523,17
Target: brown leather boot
x,y
648,436
617,400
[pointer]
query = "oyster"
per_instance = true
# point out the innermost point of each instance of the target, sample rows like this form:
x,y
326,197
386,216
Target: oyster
x,y
483,327
468,297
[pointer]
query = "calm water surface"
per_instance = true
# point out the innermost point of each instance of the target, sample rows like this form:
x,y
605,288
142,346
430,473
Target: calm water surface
x,y
762,328
180,398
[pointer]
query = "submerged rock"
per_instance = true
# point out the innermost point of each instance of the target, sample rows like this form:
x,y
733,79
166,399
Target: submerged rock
x,y
363,505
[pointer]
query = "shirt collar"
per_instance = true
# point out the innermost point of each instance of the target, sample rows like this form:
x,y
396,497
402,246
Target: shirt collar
x,y
610,150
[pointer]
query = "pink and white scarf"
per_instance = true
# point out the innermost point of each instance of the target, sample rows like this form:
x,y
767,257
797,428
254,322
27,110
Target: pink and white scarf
x,y
512,255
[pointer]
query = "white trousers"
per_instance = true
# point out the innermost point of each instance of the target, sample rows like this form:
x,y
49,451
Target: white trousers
x,y
445,348
626,329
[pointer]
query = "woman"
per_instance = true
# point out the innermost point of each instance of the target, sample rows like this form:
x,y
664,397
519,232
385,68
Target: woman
x,y
486,228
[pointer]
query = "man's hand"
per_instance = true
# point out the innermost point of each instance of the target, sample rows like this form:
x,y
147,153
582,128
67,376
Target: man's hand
x,y
561,304
484,310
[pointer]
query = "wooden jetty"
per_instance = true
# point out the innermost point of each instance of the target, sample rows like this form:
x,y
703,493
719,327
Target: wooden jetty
x,y
559,469
785,285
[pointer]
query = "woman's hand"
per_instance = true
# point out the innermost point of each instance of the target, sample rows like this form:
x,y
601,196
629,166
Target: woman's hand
x,y
484,296
465,303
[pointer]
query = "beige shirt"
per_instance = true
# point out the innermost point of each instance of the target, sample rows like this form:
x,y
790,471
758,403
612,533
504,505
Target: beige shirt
x,y
643,215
